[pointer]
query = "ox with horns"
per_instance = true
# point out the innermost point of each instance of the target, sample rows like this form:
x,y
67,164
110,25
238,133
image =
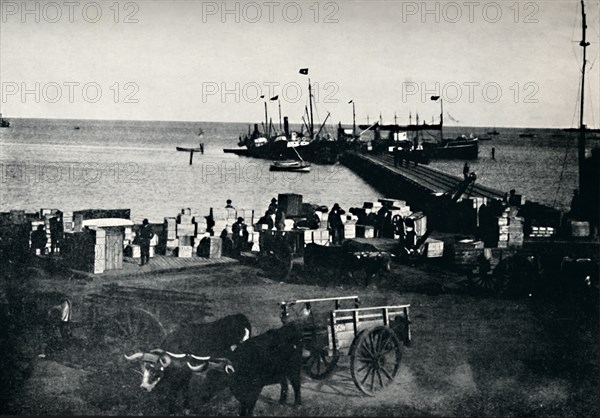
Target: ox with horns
x,y
270,358
190,342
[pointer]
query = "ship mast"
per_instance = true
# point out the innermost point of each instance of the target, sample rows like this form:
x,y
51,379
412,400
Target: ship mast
x,y
581,140
266,121
311,110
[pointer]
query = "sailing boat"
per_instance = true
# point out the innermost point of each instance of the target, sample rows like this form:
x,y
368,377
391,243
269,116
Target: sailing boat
x,y
589,168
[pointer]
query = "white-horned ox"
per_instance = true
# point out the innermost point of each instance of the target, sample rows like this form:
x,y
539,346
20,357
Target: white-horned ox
x,y
270,358
190,342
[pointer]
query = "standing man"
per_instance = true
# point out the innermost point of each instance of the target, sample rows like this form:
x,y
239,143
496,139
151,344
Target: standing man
x,y
493,153
280,219
56,232
273,205
146,235
38,240
240,235
336,224
466,170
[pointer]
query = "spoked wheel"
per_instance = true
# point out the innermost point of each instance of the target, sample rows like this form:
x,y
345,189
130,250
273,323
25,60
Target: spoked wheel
x,y
375,357
319,364
129,330
490,283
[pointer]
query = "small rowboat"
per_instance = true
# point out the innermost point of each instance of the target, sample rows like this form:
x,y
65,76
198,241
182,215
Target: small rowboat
x,y
290,165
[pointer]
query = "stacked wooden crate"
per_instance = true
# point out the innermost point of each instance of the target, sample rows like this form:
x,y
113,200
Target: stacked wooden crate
x,y
467,251
224,219
68,223
170,235
542,231
420,220
515,232
510,229
290,203
399,207
580,228
186,230
434,248
98,264
350,226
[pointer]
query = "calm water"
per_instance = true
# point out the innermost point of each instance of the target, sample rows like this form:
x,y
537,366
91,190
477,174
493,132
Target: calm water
x,y
124,164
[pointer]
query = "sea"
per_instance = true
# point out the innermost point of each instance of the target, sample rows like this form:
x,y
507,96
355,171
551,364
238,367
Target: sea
x,y
86,164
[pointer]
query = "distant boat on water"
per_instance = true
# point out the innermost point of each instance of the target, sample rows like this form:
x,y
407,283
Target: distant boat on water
x,y
299,166
494,132
290,165
3,122
484,138
527,135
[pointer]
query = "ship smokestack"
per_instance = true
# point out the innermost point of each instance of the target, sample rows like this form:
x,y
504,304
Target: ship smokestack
x,y
286,126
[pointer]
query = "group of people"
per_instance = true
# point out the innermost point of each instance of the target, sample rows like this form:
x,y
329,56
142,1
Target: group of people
x,y
401,155
39,238
274,217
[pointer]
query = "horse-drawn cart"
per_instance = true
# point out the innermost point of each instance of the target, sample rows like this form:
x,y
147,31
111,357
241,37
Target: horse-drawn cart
x,y
370,336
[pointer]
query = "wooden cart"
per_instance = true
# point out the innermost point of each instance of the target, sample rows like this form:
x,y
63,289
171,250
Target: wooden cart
x,y
127,318
370,336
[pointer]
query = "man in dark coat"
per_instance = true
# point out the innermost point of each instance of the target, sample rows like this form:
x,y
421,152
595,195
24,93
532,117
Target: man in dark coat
x,y
146,235
266,220
336,225
38,240
240,234
273,205
56,232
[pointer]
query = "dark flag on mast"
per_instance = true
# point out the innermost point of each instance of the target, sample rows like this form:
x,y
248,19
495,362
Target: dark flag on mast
x,y
434,98
350,102
274,97
304,71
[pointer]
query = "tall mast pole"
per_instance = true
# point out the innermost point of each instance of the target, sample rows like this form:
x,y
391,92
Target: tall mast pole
x,y
311,111
581,140
353,121
442,119
280,126
266,120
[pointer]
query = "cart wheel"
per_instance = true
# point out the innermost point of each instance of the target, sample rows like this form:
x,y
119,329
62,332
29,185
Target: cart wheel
x,y
320,364
489,282
375,357
129,330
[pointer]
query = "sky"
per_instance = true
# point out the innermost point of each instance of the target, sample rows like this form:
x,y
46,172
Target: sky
x,y
494,63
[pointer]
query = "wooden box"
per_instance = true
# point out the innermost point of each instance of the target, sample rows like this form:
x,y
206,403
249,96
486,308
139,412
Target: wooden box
x,y
290,203
184,251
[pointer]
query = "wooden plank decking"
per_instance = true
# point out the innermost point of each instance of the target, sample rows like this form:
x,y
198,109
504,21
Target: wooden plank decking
x,y
427,178
159,264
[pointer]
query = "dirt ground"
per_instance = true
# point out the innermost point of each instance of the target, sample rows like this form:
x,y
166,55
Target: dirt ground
x,y
471,355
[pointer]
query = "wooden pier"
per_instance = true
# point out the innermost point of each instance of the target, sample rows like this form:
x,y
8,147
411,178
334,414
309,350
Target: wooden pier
x,y
410,180
158,264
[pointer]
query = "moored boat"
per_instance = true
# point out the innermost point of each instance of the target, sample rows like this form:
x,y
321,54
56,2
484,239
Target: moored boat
x,y
3,122
527,135
290,165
